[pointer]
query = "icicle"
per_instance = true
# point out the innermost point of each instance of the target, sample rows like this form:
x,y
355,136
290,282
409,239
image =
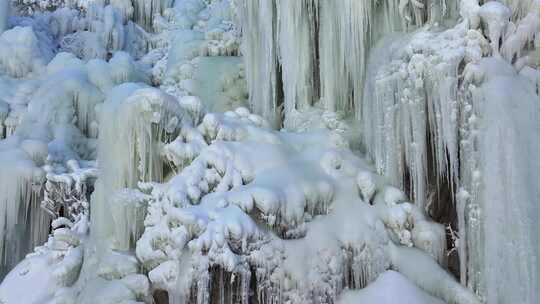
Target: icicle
x,y
260,51
348,30
22,222
497,17
297,52
520,8
128,212
144,10
134,120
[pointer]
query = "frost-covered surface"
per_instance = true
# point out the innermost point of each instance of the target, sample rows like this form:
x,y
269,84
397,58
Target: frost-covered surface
x,y
139,136
52,266
52,143
430,105
262,216
387,289
510,117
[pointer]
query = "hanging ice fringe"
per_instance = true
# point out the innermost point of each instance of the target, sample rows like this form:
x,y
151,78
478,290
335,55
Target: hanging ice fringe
x,y
107,145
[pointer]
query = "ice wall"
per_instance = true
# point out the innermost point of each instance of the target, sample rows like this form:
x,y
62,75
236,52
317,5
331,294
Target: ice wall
x,y
22,224
298,52
315,52
506,201
412,102
258,23
410,109
48,156
429,108
304,219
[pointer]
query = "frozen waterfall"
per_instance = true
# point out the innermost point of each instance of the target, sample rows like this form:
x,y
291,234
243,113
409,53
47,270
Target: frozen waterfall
x,y
269,151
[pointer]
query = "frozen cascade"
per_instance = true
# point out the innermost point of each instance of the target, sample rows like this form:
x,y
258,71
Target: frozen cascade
x,y
308,63
185,211
134,120
342,69
415,102
441,114
64,110
258,22
22,225
506,192
298,52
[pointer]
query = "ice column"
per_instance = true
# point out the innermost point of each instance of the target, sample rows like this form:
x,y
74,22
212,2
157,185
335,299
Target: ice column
x,y
134,120
298,51
260,52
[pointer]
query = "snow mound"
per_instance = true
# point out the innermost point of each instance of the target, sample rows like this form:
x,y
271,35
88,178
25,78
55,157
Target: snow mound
x,y
389,288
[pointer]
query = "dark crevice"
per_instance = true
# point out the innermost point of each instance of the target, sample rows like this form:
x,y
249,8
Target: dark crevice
x,y
442,206
280,97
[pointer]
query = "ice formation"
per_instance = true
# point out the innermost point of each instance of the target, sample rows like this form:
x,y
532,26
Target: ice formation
x,y
53,165
388,287
269,151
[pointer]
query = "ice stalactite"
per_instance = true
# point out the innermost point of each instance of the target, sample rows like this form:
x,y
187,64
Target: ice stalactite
x,y
16,95
496,17
519,8
332,68
259,28
182,197
134,119
98,31
443,116
413,104
138,11
495,178
128,208
297,40
107,30
305,62
21,220
427,11
67,194
353,26
62,255
144,10
520,42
